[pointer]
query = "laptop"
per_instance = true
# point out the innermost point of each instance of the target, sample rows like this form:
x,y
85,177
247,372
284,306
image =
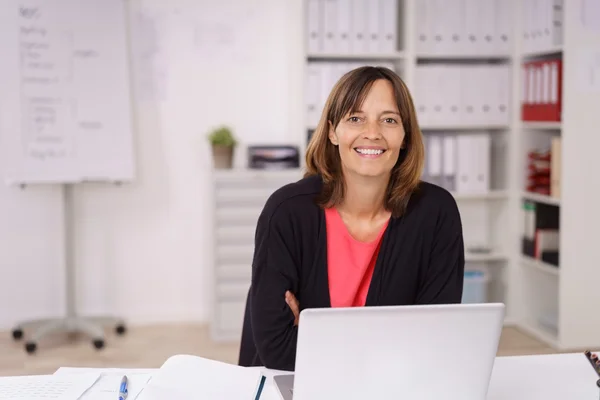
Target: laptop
x,y
395,352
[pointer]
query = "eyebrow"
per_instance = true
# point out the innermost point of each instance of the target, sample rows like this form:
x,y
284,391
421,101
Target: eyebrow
x,y
383,112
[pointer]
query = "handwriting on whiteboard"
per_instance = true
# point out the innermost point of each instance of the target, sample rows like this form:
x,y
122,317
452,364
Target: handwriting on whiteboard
x,y
53,67
43,70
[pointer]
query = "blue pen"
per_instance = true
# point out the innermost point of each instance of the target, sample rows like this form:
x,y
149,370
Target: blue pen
x,y
123,388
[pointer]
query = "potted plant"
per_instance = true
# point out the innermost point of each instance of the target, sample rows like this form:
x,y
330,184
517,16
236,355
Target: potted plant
x,y
223,143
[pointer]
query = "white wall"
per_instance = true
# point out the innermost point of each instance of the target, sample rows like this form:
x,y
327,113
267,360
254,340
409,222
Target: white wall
x,y
143,250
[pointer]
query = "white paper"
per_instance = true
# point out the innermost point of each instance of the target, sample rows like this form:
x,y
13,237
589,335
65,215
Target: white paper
x,y
107,386
46,387
201,378
588,74
590,14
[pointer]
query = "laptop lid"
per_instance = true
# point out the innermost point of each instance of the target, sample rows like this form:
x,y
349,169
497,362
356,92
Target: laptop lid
x,y
417,352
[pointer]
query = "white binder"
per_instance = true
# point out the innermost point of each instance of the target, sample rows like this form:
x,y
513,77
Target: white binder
x,y
314,25
503,26
424,12
330,25
343,25
373,17
435,166
313,94
449,161
502,90
486,43
389,26
359,36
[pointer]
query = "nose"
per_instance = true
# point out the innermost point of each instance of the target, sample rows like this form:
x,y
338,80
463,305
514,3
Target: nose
x,y
372,131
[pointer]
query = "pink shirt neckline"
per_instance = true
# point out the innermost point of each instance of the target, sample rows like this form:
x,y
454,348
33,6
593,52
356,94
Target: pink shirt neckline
x,y
350,262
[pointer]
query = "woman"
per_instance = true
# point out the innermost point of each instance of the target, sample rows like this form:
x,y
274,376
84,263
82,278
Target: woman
x,y
360,229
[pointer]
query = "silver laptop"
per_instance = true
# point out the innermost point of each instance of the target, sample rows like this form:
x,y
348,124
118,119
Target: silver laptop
x,y
395,352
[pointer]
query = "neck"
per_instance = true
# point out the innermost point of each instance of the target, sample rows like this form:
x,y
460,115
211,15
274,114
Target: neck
x,y
364,197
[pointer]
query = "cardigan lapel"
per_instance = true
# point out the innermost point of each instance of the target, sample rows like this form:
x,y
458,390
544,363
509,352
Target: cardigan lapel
x,y
380,265
322,291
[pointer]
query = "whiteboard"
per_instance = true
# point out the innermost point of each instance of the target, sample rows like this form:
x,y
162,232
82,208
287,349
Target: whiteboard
x,y
65,101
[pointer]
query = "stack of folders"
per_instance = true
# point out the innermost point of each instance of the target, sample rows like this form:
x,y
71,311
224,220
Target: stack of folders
x,y
555,166
541,238
352,26
321,77
458,162
465,95
544,170
464,27
542,90
538,171
542,26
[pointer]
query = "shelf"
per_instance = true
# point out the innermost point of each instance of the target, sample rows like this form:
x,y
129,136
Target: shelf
x,y
235,175
467,57
541,198
364,56
492,195
543,125
540,265
540,333
460,127
543,52
484,257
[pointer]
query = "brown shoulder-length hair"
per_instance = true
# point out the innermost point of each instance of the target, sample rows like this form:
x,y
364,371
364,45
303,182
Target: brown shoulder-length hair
x,y
323,158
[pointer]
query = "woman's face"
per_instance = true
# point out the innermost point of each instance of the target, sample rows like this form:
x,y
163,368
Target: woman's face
x,y
369,141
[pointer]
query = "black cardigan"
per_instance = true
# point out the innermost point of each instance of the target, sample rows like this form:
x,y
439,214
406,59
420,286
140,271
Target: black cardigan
x,y
421,261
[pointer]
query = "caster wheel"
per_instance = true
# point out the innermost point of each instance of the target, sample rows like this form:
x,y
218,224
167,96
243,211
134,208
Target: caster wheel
x,y
17,334
30,347
120,329
98,343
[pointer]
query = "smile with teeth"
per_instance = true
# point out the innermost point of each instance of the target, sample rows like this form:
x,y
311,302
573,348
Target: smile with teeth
x,y
369,152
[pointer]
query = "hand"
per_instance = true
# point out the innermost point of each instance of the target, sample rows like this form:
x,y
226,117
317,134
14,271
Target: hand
x,y
294,305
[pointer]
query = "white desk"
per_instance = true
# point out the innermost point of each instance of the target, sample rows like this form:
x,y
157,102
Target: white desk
x,y
540,377
543,377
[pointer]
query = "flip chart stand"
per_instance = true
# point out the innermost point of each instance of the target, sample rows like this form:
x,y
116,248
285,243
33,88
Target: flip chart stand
x,y
71,323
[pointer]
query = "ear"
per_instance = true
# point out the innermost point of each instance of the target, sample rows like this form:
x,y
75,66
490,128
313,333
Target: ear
x,y
332,137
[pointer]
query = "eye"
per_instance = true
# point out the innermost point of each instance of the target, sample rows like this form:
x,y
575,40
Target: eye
x,y
354,119
390,120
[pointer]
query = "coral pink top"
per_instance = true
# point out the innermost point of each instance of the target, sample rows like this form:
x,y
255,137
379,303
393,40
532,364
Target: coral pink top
x,y
350,263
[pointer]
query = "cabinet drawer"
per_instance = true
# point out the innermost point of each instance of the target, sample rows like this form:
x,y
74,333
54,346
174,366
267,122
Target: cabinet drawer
x,y
234,272
238,216
236,235
233,290
234,254
230,315
242,197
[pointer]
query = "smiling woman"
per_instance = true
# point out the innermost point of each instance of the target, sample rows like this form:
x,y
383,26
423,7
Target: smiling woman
x,y
360,229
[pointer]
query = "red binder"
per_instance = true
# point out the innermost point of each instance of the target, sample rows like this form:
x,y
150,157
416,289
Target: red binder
x,y
542,94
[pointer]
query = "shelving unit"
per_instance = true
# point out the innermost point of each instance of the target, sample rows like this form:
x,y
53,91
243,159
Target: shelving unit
x,y
536,281
558,303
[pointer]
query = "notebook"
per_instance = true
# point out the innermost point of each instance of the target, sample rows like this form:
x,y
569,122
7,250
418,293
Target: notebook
x,y
189,377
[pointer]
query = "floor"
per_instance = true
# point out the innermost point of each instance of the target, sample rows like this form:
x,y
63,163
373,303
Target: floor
x,y
150,346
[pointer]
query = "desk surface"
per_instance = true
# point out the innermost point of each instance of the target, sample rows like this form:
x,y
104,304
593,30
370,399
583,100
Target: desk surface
x,y
539,377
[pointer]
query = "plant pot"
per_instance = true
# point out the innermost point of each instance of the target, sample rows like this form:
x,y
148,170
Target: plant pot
x,y
222,157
